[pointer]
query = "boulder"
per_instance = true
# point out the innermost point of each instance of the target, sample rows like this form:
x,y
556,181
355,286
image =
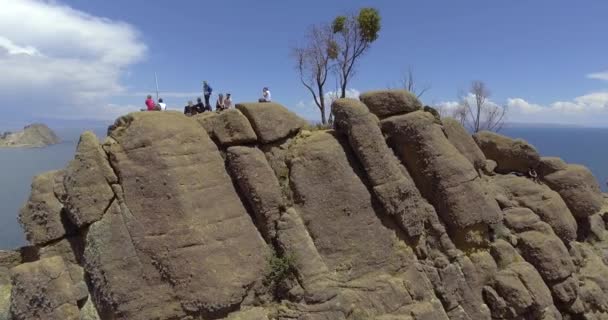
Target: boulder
x,y
510,154
579,189
87,182
70,250
547,253
519,290
521,219
178,231
463,141
549,165
336,207
258,184
271,121
228,128
41,217
504,254
393,187
442,174
386,103
544,202
373,272
43,290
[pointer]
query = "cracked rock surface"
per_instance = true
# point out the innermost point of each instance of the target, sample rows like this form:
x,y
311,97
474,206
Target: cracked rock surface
x,y
244,214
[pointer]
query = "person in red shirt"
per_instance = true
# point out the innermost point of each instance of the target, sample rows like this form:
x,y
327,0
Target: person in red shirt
x,y
150,103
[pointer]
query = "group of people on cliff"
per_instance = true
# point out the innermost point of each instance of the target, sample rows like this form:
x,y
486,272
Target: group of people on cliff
x,y
222,102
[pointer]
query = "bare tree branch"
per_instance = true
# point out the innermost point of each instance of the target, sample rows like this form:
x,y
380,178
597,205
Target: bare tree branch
x,y
409,84
476,113
313,62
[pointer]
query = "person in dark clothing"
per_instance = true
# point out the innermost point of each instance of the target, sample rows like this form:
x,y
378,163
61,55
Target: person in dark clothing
x,y
200,107
207,91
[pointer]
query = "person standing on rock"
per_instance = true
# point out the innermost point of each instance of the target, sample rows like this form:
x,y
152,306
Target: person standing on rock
x,y
207,90
266,97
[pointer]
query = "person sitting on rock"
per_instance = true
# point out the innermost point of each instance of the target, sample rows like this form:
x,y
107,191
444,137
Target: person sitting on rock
x,y
265,95
219,105
150,105
189,109
162,106
228,101
200,106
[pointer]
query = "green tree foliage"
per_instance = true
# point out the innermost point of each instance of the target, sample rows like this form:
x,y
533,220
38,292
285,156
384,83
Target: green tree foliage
x,y
369,24
335,49
354,35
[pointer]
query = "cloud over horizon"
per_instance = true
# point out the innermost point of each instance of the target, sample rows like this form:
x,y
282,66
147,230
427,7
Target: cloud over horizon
x,y
60,62
587,110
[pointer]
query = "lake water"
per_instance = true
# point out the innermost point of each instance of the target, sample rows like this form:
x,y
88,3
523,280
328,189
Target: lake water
x,y
18,166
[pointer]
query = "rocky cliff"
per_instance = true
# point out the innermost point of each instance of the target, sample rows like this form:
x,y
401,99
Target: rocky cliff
x,y
246,214
32,136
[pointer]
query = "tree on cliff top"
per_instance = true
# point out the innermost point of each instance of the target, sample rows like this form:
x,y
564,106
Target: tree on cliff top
x,y
313,62
476,113
354,35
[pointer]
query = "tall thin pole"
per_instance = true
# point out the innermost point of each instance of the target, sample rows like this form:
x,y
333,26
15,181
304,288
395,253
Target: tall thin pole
x,y
156,78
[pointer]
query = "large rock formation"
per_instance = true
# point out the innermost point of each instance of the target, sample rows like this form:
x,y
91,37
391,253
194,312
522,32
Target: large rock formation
x,y
32,136
242,214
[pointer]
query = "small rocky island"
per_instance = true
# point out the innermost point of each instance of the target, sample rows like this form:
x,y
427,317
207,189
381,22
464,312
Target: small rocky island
x,y
33,136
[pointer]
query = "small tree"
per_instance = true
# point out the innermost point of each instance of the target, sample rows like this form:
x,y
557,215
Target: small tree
x,y
354,35
409,83
313,62
476,113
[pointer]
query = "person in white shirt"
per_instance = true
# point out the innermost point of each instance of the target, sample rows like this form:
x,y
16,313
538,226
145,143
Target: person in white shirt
x,y
228,101
162,105
266,97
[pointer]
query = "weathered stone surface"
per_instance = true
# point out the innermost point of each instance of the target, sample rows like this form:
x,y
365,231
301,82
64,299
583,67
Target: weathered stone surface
x,y
509,154
70,250
348,233
463,141
544,202
228,128
374,271
182,234
259,185
179,234
519,291
441,172
43,290
271,121
249,314
87,182
549,165
566,292
386,103
579,189
293,238
504,254
547,253
41,216
392,186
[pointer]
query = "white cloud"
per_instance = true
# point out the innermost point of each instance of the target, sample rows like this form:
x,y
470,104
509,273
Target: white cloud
x,y
599,75
587,110
60,62
310,111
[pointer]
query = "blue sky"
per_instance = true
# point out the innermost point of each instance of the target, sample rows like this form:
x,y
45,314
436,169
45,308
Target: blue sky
x,y
82,59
